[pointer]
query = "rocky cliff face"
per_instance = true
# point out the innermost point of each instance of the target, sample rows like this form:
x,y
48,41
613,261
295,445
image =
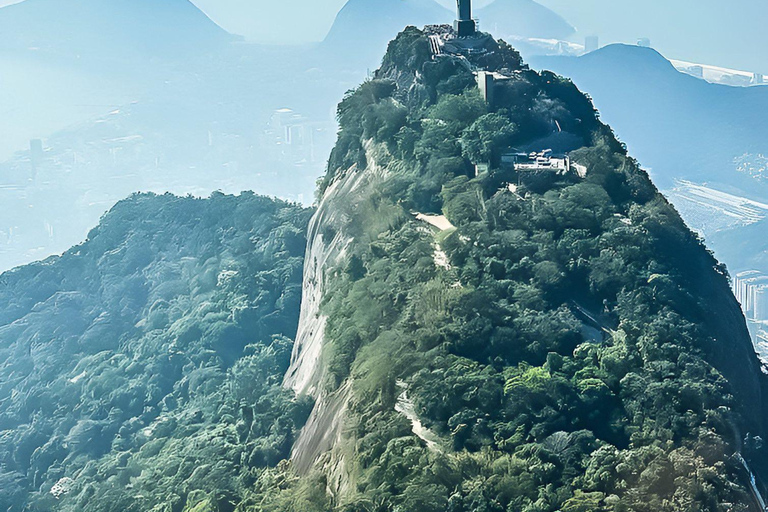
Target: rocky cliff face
x,y
329,238
557,341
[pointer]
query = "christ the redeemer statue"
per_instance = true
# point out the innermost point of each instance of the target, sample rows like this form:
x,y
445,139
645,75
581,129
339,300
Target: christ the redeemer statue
x,y
465,25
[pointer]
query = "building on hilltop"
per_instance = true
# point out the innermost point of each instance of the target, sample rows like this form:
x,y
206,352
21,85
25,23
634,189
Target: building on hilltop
x,y
487,81
463,38
538,161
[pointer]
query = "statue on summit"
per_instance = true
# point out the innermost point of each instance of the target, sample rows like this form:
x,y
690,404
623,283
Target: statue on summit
x,y
465,25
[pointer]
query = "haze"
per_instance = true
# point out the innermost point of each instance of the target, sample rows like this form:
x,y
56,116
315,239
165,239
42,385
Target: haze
x,y
725,34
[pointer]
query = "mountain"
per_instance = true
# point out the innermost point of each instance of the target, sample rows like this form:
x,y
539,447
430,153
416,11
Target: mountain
x,y
478,330
141,370
678,126
524,19
363,28
479,335
704,32
108,29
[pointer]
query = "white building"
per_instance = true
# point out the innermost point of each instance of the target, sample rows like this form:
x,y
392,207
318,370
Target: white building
x,y
751,290
543,160
591,44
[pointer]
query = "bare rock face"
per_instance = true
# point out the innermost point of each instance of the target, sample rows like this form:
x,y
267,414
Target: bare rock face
x,y
329,237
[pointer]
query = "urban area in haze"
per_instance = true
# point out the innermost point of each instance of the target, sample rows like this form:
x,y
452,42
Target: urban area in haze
x,y
138,136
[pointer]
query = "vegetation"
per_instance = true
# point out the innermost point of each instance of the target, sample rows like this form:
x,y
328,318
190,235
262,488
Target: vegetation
x,y
567,356
142,370
569,345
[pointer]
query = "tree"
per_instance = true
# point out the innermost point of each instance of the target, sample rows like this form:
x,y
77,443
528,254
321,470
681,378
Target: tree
x,y
487,137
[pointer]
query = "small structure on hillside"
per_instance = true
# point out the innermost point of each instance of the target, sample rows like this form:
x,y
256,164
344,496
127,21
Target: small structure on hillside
x,y
462,38
445,40
540,168
539,161
487,81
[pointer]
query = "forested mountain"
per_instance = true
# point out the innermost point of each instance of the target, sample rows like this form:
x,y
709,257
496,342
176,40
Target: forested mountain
x,y
558,342
474,335
141,370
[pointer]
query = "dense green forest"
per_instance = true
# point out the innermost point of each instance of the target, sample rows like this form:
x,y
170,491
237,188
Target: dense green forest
x,y
563,343
569,345
141,370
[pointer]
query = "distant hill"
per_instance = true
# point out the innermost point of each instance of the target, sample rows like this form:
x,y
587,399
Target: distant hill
x,y
363,28
677,125
523,18
107,28
157,342
703,31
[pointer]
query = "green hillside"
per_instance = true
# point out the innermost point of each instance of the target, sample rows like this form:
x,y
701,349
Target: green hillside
x,y
470,335
141,370
569,345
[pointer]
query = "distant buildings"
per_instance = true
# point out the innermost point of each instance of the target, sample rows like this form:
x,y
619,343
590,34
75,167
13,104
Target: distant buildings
x,y
697,71
297,137
644,42
751,290
758,79
35,155
591,44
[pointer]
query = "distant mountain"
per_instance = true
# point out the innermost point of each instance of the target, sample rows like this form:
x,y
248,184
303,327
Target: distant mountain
x,y
677,125
523,18
363,28
107,28
704,31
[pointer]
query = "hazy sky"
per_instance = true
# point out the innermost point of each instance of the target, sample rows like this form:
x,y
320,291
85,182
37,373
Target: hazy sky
x,y
709,31
276,21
